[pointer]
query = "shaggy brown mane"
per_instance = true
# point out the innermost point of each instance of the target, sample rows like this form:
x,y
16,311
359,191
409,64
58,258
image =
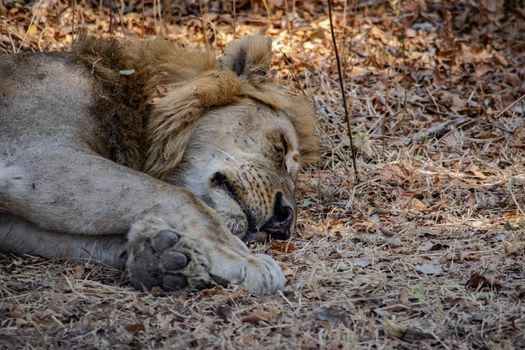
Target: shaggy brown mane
x,y
156,90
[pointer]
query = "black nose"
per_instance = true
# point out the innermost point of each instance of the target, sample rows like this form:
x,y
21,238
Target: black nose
x,y
279,225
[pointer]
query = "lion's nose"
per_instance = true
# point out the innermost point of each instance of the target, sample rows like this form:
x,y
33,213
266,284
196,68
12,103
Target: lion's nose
x,y
279,225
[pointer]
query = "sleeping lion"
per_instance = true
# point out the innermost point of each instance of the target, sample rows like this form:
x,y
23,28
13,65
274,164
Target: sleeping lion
x,y
152,158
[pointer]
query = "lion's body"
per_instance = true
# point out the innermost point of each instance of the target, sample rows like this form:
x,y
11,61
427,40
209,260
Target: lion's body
x,y
93,142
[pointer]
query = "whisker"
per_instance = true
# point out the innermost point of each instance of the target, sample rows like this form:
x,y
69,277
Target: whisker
x,y
229,155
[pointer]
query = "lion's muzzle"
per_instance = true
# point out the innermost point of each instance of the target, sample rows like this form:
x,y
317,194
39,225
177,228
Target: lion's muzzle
x,y
262,198
278,227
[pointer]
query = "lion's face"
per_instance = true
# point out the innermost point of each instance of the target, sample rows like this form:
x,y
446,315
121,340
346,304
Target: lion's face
x,y
233,138
243,161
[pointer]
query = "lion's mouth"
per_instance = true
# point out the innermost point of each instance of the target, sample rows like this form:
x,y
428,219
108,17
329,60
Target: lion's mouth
x,y
252,232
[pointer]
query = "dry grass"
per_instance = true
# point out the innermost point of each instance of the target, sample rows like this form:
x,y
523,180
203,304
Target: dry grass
x,y
425,250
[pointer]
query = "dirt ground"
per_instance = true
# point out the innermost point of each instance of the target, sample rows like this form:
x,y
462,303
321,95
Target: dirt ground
x,y
425,248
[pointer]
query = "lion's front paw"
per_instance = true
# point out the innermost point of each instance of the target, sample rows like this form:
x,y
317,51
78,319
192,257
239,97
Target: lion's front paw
x,y
265,276
159,256
162,259
257,273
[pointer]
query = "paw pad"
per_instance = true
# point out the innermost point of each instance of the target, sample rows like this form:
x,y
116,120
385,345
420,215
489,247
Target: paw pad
x,y
164,240
173,260
154,261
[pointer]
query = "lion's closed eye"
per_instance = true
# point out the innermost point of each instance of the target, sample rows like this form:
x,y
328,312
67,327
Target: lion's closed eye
x,y
279,148
281,145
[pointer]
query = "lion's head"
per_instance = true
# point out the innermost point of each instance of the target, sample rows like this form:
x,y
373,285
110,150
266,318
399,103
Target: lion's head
x,y
219,128
243,161
246,141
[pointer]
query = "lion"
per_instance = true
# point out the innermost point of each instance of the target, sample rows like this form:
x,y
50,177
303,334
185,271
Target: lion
x,y
153,158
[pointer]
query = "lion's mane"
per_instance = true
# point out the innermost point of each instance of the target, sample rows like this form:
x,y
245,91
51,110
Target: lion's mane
x,y
155,90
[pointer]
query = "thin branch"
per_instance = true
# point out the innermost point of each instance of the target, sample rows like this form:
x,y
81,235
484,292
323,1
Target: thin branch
x,y
73,23
342,85
234,19
142,21
292,72
510,106
33,17
111,16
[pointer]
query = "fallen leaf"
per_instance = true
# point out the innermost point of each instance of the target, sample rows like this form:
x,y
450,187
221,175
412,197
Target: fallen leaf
x,y
393,330
80,270
256,318
32,30
429,269
394,242
362,262
135,327
378,34
479,282
394,174
403,296
224,312
458,104
363,144
335,255
471,201
330,314
16,313
283,246
425,246
429,246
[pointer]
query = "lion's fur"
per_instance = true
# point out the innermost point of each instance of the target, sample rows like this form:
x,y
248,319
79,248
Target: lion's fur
x,y
159,89
81,133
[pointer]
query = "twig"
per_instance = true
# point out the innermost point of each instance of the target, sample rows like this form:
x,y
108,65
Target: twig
x,y
439,129
342,84
510,106
288,27
203,24
143,20
292,71
73,23
30,24
234,19
515,200
110,16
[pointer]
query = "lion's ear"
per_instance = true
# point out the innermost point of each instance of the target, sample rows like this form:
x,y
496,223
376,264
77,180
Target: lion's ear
x,y
249,57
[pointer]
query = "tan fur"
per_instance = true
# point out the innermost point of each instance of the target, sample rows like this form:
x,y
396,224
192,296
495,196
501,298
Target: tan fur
x,y
196,83
152,158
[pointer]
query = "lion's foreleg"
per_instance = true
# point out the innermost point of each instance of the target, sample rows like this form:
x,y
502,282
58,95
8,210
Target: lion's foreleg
x,y
175,239
21,237
77,192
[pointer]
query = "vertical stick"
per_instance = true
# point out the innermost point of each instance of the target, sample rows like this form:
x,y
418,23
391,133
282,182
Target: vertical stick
x,y
293,14
73,22
234,19
142,31
203,24
111,16
288,28
342,85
